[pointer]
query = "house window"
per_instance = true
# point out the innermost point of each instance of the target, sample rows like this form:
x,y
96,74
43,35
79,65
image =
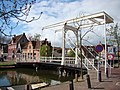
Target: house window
x,y
28,55
35,56
29,47
25,56
34,53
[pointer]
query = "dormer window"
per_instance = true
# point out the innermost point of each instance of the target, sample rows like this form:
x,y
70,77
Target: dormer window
x,y
22,41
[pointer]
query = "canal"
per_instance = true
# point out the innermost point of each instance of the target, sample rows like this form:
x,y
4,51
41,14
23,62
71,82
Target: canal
x,y
21,76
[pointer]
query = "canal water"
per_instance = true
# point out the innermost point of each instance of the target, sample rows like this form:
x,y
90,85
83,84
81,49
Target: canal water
x,y
23,76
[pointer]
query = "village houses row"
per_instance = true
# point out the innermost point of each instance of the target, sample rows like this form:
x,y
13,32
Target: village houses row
x,y
20,46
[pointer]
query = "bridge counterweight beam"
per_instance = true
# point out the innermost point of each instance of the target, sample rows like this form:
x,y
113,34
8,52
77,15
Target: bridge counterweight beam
x,y
76,52
63,45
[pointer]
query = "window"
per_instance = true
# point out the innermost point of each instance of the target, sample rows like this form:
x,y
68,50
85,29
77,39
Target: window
x,y
28,55
22,41
35,56
30,47
25,56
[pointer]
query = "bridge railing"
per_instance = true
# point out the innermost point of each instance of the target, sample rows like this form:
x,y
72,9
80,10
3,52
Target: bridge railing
x,y
57,59
69,61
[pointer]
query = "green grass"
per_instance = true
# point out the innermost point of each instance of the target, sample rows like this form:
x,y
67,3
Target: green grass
x,y
5,63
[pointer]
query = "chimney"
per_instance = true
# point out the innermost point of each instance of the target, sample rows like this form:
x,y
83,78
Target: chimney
x,y
14,35
45,39
23,33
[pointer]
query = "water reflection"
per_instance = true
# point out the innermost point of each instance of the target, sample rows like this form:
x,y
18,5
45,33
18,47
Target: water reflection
x,y
26,76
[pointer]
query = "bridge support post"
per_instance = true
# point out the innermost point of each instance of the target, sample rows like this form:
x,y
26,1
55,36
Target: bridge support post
x,y
63,45
76,50
28,87
61,71
76,77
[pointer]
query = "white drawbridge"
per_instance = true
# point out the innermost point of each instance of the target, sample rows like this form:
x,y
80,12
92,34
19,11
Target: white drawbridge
x,y
87,21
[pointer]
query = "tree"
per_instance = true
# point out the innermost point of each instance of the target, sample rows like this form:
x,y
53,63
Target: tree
x,y
15,9
4,39
36,37
114,38
45,50
71,53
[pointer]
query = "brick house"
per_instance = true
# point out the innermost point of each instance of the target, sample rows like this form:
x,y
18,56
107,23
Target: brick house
x,y
3,49
31,50
14,47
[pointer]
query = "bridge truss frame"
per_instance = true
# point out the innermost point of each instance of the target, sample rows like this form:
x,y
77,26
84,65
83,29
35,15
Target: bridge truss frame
x,y
101,18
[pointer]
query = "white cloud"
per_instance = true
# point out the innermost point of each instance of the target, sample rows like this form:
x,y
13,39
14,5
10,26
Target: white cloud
x,y
57,10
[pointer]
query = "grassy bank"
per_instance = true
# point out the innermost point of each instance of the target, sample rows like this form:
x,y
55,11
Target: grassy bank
x,y
6,63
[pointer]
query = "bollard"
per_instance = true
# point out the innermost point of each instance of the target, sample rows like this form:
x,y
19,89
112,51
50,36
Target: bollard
x,y
99,78
88,81
28,87
107,72
71,85
76,77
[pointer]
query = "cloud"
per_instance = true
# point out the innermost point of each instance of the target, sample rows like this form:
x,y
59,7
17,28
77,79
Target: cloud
x,y
59,10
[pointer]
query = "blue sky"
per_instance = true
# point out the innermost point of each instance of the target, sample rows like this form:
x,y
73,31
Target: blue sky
x,y
59,10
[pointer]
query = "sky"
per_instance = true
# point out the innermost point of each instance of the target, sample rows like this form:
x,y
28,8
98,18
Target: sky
x,y
60,10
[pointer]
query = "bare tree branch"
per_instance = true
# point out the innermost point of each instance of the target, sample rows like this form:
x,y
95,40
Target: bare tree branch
x,y
15,9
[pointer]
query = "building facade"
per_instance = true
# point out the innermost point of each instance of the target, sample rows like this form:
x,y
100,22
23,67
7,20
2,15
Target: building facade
x,y
14,47
31,51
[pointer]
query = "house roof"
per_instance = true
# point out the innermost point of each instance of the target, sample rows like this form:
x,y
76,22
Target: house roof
x,y
25,45
15,39
35,44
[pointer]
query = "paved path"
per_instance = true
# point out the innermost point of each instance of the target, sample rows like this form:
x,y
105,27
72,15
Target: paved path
x,y
111,83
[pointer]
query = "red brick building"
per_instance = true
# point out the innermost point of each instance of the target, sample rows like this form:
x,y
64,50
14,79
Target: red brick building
x,y
14,47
